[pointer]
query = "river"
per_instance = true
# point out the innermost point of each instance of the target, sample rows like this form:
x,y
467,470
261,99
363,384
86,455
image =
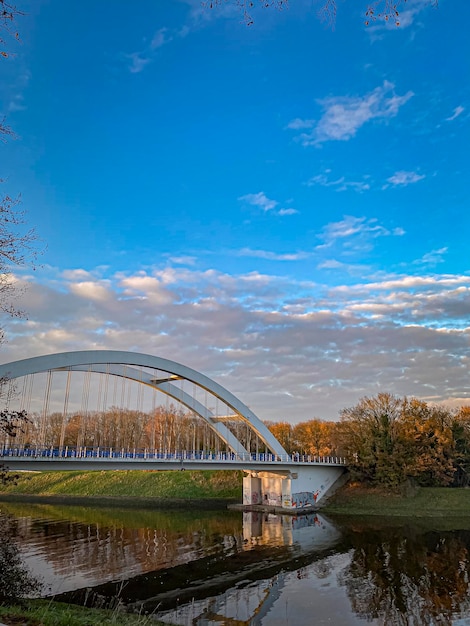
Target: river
x,y
208,568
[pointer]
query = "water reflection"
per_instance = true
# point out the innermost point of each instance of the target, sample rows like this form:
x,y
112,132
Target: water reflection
x,y
219,568
408,577
72,547
405,576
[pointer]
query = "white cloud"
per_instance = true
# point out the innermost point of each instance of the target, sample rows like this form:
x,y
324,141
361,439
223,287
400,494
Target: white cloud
x,y
350,225
328,346
353,228
299,124
261,201
347,268
274,256
403,178
160,38
198,16
138,62
17,104
183,260
344,116
148,288
432,258
418,282
15,99
287,211
457,111
76,275
90,290
339,184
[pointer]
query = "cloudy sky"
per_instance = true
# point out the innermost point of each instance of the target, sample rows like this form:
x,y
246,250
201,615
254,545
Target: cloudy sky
x,y
282,206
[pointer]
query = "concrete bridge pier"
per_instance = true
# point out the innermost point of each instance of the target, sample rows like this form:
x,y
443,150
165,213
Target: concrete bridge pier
x,y
291,490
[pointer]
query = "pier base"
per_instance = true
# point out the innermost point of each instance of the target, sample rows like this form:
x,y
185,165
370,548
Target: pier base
x,y
303,488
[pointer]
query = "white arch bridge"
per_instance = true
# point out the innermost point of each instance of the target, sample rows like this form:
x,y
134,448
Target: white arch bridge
x,y
104,409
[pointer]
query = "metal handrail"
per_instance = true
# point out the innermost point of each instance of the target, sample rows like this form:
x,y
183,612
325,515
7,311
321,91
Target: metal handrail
x,y
84,452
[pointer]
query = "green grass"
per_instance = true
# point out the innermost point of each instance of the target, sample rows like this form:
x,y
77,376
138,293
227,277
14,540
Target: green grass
x,y
46,613
131,483
203,486
423,502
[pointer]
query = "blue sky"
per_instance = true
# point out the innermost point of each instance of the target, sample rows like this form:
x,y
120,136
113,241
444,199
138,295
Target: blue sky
x,y
282,206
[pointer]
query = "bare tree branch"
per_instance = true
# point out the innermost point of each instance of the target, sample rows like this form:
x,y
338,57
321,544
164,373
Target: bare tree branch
x,y
379,10
8,13
12,422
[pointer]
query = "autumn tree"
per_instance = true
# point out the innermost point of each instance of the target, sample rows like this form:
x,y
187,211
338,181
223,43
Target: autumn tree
x,y
313,437
369,435
427,438
388,440
460,427
284,433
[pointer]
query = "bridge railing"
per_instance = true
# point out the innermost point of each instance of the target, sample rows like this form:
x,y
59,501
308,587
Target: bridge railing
x,y
69,452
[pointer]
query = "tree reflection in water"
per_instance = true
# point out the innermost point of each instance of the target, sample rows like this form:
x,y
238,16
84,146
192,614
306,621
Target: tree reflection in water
x,y
15,579
404,576
214,563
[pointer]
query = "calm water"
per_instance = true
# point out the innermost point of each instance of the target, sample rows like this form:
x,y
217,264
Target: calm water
x,y
227,568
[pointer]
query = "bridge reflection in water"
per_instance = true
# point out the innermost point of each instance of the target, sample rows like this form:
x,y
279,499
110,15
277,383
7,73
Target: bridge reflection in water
x,y
266,544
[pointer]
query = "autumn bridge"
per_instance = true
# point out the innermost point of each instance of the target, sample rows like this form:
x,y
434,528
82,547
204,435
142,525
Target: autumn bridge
x,y
102,409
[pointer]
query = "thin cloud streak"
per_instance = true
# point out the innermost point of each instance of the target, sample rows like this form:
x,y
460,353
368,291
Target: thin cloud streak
x,y
261,201
343,116
338,184
351,228
403,178
457,112
273,256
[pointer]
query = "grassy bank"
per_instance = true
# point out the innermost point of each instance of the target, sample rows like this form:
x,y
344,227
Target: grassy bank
x,y
119,485
210,489
45,613
421,502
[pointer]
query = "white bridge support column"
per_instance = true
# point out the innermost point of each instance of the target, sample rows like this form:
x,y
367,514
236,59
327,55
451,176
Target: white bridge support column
x,y
252,489
304,487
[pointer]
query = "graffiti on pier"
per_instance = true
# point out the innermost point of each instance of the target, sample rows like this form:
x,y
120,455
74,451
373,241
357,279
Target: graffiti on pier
x,y
305,498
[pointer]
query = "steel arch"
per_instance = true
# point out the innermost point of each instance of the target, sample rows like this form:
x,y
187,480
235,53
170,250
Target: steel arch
x,y
96,360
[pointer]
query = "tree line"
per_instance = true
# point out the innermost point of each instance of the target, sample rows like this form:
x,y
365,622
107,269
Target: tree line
x,y
166,429
386,439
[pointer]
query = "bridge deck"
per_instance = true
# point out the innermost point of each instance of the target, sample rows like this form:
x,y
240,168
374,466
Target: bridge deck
x,y
67,458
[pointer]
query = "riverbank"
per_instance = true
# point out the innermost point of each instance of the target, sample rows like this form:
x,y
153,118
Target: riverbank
x,y
423,502
143,489
46,613
217,489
